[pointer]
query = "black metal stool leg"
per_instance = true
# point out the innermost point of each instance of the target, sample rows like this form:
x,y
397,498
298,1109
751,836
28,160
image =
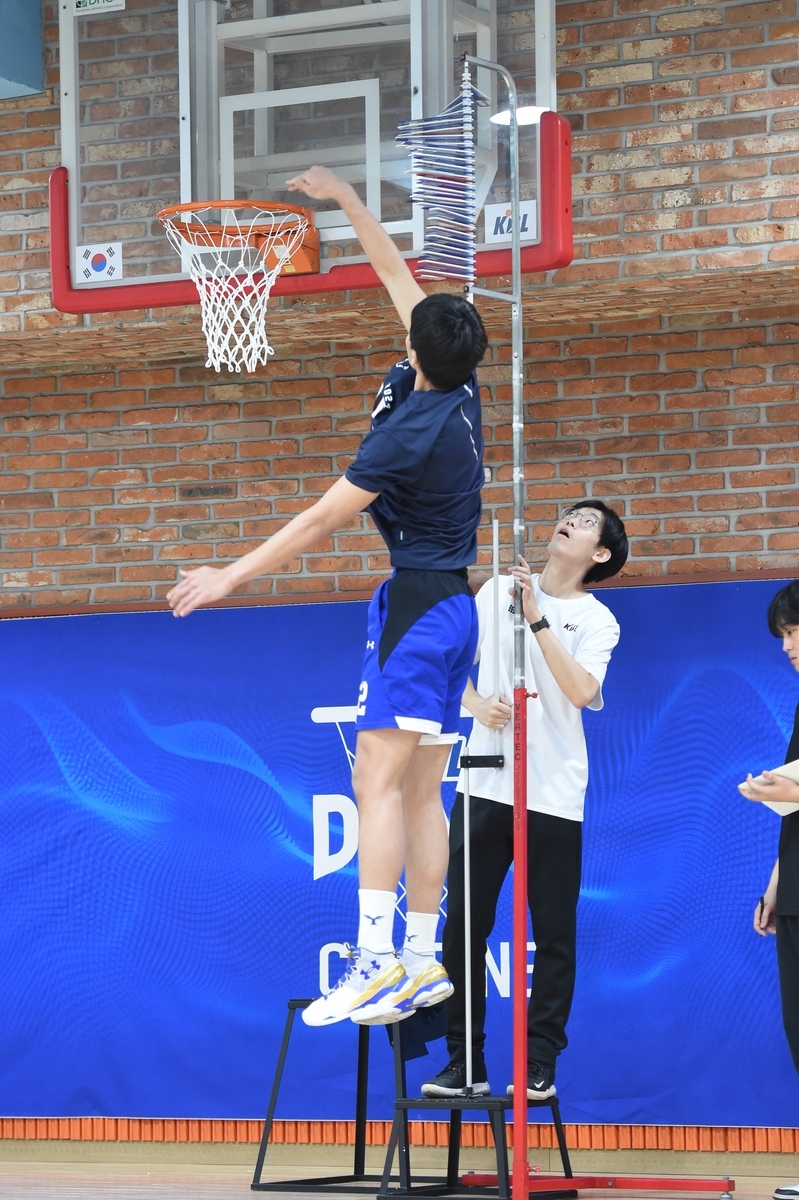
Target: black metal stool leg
x,y
454,1152
499,1130
358,1182
270,1112
400,1089
561,1136
390,1149
361,1090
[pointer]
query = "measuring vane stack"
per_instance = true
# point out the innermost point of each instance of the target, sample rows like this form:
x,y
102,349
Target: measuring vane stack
x,y
443,166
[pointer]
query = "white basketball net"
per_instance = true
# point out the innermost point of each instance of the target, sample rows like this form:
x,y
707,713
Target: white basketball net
x,y
225,251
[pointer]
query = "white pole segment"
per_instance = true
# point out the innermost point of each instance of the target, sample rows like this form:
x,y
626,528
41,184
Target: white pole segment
x,y
497,735
520,1175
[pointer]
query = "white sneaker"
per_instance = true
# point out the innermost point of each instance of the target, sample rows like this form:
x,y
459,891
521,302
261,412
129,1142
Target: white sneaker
x,y
789,1192
414,989
388,1003
367,979
431,984
426,983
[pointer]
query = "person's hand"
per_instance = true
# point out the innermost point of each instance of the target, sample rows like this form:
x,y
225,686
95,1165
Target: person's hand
x,y
765,914
532,612
317,182
775,787
493,712
199,585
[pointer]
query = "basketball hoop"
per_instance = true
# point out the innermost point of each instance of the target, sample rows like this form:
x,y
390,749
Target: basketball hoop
x,y
234,251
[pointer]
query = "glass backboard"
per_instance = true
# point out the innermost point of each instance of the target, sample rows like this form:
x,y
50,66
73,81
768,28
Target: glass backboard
x,y
169,101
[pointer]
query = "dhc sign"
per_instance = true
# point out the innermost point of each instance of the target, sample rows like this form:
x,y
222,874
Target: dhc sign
x,y
81,7
498,222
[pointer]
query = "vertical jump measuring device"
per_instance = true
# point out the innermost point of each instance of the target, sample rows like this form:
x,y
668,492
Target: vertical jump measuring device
x,y
520,1173
455,262
443,163
442,151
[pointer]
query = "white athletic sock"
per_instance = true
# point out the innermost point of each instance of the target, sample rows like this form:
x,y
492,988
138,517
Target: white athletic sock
x,y
420,935
376,924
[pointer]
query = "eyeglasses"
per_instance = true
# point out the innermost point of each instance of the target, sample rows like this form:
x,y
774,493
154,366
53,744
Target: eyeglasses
x,y
586,520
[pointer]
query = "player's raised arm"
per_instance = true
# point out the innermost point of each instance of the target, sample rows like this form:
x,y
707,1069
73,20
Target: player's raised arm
x,y
321,184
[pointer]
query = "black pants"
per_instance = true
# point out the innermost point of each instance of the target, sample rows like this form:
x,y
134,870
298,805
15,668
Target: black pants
x,y
554,857
788,961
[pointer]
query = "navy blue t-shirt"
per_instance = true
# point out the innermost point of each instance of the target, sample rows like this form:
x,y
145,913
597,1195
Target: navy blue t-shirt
x,y
424,455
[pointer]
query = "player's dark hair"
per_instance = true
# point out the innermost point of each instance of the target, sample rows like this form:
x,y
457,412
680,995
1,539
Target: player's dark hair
x,y
783,612
449,339
612,536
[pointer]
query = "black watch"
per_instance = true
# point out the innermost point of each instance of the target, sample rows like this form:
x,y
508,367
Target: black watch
x,y
539,625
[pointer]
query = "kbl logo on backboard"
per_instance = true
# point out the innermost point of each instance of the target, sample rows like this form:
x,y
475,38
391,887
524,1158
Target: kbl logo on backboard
x,y
499,222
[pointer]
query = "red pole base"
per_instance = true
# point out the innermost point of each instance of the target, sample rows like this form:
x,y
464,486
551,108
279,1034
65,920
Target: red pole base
x,y
520,1173
547,1183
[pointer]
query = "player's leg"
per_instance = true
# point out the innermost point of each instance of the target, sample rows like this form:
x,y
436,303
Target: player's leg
x,y
554,864
492,833
374,973
427,850
420,835
426,847
383,759
426,855
424,664
398,797
421,634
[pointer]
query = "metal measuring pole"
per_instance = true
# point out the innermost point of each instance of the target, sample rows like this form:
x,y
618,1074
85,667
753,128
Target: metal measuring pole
x,y
514,297
495,560
496,760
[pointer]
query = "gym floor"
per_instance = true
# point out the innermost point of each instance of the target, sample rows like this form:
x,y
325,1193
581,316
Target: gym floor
x,y
96,1181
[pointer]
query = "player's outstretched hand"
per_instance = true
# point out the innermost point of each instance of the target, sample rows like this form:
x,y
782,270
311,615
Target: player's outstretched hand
x,y
317,182
770,787
199,586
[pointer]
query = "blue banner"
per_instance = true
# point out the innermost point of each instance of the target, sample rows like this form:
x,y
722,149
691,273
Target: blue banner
x,y
178,860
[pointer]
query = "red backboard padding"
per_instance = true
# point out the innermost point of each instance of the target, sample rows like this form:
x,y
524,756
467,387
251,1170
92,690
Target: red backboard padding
x,y
555,249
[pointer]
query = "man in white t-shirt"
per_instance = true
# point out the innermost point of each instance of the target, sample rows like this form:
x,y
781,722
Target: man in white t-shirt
x,y
569,637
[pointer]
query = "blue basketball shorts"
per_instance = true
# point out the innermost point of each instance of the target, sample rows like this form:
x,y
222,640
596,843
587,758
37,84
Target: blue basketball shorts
x,y
420,644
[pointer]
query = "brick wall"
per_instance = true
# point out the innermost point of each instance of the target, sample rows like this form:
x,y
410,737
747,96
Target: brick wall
x,y
113,478
688,426
686,195
685,136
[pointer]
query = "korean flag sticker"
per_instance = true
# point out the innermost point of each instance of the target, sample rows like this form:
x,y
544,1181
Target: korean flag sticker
x,y
99,262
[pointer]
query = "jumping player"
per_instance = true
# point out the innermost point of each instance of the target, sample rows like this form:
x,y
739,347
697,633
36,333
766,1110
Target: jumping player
x,y
418,473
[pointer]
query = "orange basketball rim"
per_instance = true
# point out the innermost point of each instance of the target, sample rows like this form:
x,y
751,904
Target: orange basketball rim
x,y
265,231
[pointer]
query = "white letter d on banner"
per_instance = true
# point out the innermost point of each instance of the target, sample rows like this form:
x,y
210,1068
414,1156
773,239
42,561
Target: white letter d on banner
x,y
324,863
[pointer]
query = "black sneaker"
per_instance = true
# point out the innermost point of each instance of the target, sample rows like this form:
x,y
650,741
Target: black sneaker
x,y
540,1081
452,1081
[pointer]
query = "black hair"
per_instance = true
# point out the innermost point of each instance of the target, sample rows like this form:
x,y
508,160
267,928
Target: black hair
x,y
612,536
783,612
449,339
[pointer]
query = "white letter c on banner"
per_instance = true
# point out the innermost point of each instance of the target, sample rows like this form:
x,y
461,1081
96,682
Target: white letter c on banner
x,y
324,863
